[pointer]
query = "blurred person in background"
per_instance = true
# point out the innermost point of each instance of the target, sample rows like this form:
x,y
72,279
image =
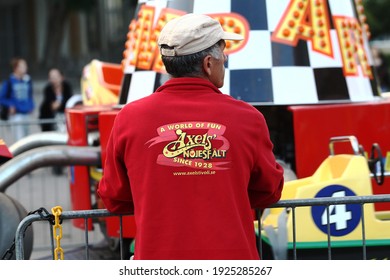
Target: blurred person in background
x,y
56,92
17,95
382,69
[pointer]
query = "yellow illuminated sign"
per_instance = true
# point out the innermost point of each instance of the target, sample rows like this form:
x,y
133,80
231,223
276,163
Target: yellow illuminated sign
x,y
352,48
141,45
302,20
309,20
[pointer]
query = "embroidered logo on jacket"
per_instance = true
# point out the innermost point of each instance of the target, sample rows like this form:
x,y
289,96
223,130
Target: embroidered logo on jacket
x,y
198,145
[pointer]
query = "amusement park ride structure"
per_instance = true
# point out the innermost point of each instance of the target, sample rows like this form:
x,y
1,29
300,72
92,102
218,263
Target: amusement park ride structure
x,y
305,64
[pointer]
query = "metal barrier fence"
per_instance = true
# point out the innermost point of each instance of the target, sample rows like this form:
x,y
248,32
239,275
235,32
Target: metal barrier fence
x,y
292,205
32,126
44,187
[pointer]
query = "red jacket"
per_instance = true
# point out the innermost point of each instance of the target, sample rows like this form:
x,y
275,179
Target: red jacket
x,y
191,163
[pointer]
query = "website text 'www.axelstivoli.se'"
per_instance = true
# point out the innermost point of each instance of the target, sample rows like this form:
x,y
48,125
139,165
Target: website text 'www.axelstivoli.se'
x,y
196,173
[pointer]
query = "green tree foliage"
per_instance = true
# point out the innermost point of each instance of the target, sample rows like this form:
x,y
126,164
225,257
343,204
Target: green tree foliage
x,y
378,17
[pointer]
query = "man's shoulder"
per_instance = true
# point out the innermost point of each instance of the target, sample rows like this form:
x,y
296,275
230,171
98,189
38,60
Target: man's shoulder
x,y
239,104
143,103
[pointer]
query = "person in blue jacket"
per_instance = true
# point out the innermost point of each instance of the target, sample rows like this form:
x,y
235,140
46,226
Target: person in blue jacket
x,y
17,94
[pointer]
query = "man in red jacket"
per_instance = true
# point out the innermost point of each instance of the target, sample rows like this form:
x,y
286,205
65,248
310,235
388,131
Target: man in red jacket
x,y
191,162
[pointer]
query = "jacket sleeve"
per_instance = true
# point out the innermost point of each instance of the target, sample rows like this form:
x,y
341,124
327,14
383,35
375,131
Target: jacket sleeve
x,y
3,91
114,187
31,96
68,92
5,99
266,181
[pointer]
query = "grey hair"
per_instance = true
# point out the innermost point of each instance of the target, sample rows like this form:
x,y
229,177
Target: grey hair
x,y
190,65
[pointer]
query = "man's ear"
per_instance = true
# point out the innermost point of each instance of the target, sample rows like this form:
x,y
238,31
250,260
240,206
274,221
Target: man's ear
x,y
207,63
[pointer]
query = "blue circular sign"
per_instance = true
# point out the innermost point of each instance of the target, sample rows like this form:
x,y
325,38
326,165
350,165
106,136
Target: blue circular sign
x,y
343,218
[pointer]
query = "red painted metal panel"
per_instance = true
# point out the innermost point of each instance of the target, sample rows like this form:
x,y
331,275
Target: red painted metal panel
x,y
106,121
314,125
80,122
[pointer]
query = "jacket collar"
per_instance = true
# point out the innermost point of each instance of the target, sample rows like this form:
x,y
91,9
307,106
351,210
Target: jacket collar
x,y
189,82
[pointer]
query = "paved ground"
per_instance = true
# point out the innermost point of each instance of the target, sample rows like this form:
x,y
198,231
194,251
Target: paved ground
x,y
98,251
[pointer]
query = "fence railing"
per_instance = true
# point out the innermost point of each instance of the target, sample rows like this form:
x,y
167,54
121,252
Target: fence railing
x,y
33,126
292,205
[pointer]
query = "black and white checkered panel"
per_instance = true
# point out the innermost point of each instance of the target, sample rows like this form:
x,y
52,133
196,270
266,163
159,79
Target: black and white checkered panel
x,y
267,72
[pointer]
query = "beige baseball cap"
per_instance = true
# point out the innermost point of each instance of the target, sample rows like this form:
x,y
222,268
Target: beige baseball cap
x,y
192,33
